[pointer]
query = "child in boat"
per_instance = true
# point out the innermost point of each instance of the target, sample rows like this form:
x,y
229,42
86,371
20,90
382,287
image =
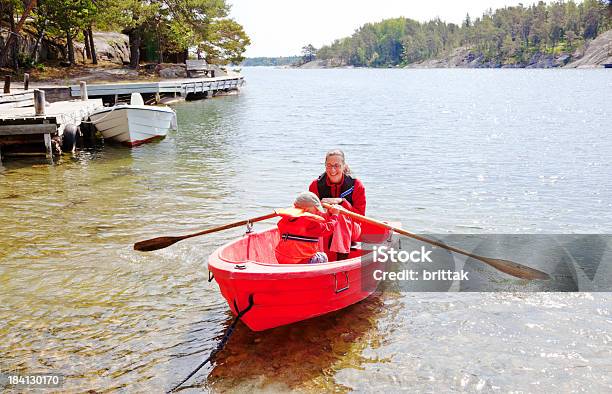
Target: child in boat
x,y
300,229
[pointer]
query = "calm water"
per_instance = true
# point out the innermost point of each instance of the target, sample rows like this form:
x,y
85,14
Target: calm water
x,y
495,151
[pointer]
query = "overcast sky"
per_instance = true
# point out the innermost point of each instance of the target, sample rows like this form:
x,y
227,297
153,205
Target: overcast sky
x,y
283,27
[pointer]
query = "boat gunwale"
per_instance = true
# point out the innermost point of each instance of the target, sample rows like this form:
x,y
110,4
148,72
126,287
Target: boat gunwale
x,y
164,109
262,270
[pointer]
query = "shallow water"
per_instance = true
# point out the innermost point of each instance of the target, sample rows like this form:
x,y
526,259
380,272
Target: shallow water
x,y
490,151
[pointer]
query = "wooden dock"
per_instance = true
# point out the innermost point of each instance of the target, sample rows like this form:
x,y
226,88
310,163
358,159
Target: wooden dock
x,y
17,98
60,113
27,119
181,87
20,125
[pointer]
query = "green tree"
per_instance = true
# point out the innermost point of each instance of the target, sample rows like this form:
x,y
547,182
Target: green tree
x,y
67,18
556,22
571,37
505,35
8,10
593,14
510,47
308,53
133,17
225,43
179,25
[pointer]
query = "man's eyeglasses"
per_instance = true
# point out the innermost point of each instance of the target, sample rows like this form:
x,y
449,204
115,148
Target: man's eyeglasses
x,y
333,166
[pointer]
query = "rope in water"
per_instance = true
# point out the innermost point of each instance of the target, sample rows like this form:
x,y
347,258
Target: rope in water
x,y
221,345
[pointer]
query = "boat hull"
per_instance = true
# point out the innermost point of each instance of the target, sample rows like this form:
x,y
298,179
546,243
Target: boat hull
x,y
287,293
133,125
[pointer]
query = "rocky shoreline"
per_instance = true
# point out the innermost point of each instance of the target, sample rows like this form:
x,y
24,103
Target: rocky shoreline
x,y
594,54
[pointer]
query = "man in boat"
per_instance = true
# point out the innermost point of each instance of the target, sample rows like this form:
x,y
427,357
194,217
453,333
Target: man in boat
x,y
337,186
301,227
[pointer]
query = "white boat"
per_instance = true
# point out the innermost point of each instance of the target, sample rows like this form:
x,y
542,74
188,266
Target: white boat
x,y
135,123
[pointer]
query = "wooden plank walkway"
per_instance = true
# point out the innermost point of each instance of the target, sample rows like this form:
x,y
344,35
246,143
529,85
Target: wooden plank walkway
x,y
17,98
60,113
181,87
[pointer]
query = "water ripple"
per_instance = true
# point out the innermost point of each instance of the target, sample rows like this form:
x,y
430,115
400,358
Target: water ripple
x,y
439,150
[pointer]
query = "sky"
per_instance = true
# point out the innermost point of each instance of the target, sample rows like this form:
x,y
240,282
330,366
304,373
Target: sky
x,y
283,27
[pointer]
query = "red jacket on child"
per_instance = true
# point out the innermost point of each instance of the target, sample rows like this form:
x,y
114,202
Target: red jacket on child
x,y
299,235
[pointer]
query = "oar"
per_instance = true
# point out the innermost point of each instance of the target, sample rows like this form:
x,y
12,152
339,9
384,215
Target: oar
x,y
509,267
163,242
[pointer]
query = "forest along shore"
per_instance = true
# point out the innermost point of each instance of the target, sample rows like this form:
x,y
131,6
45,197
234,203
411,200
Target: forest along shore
x,y
594,54
558,34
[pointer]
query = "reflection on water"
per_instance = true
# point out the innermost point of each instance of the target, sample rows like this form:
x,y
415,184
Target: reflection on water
x,y
446,151
302,356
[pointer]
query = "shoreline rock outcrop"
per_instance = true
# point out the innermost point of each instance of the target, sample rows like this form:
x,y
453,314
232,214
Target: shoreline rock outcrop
x,y
594,54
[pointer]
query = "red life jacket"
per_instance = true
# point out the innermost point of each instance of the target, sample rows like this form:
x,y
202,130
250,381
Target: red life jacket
x,y
295,245
346,190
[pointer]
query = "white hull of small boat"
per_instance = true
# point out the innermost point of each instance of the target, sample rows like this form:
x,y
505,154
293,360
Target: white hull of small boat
x,y
134,124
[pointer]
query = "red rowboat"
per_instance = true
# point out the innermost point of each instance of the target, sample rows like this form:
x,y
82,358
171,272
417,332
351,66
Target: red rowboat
x,y
246,269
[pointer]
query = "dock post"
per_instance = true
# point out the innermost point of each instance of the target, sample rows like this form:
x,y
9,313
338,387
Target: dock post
x,y
83,90
7,84
49,147
157,98
39,102
26,81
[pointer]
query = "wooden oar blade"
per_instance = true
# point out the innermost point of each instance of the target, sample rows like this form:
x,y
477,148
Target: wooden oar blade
x,y
163,242
515,269
156,243
509,267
